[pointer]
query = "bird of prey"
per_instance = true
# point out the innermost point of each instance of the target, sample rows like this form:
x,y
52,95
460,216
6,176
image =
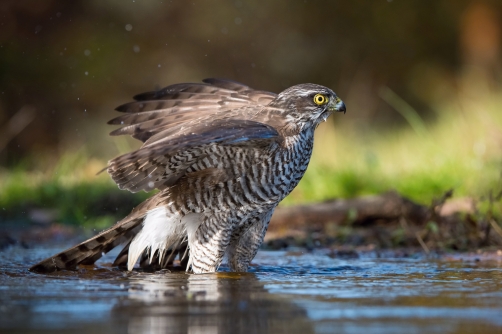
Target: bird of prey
x,y
222,156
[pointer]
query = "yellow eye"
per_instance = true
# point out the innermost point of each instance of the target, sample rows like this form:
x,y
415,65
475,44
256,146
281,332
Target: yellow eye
x,y
320,99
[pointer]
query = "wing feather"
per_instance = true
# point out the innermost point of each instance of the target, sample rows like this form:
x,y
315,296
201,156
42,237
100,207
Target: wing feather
x,y
227,84
179,123
153,105
139,170
155,112
170,91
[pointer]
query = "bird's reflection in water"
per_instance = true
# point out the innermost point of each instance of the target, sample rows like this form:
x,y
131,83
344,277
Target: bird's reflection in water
x,y
210,303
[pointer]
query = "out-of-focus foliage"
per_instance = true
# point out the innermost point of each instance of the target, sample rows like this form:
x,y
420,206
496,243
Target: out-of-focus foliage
x,y
62,192
421,81
71,62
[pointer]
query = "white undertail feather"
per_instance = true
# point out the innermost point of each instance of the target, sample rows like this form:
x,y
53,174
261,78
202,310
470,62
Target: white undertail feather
x,y
191,222
160,232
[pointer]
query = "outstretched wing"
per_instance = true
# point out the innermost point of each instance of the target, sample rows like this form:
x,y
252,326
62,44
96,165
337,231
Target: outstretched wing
x,y
179,123
161,163
154,112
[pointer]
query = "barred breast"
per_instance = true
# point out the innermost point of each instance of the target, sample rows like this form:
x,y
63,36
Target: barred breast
x,y
233,189
233,178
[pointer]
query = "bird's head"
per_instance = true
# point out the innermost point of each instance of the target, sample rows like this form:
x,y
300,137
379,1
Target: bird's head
x,y
307,105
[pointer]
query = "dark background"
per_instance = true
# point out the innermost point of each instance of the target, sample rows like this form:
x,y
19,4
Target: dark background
x,y
65,65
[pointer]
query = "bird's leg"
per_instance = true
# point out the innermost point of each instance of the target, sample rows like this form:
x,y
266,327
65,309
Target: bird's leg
x,y
246,241
209,243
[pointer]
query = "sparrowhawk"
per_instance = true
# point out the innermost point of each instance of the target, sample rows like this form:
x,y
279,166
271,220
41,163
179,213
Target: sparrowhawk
x,y
222,156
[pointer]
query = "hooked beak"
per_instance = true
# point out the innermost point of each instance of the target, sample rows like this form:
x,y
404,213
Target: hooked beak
x,y
337,105
340,106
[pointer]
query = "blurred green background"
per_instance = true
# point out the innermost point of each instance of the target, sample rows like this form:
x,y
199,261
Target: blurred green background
x,y
421,81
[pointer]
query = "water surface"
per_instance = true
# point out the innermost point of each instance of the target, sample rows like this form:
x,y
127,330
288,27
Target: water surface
x,y
285,292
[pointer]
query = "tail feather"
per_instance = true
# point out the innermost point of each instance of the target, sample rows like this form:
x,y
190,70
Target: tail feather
x,y
121,259
118,241
92,249
151,235
88,251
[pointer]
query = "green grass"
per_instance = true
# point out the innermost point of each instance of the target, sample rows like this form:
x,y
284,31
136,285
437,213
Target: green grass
x,y
69,190
461,149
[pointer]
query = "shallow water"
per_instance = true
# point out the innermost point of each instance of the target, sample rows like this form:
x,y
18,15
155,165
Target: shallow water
x,y
285,292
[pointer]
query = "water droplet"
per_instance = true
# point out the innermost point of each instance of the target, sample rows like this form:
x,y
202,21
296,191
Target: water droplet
x,y
136,48
87,52
238,20
128,27
86,73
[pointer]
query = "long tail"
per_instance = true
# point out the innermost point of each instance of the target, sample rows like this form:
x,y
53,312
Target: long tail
x,y
92,249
